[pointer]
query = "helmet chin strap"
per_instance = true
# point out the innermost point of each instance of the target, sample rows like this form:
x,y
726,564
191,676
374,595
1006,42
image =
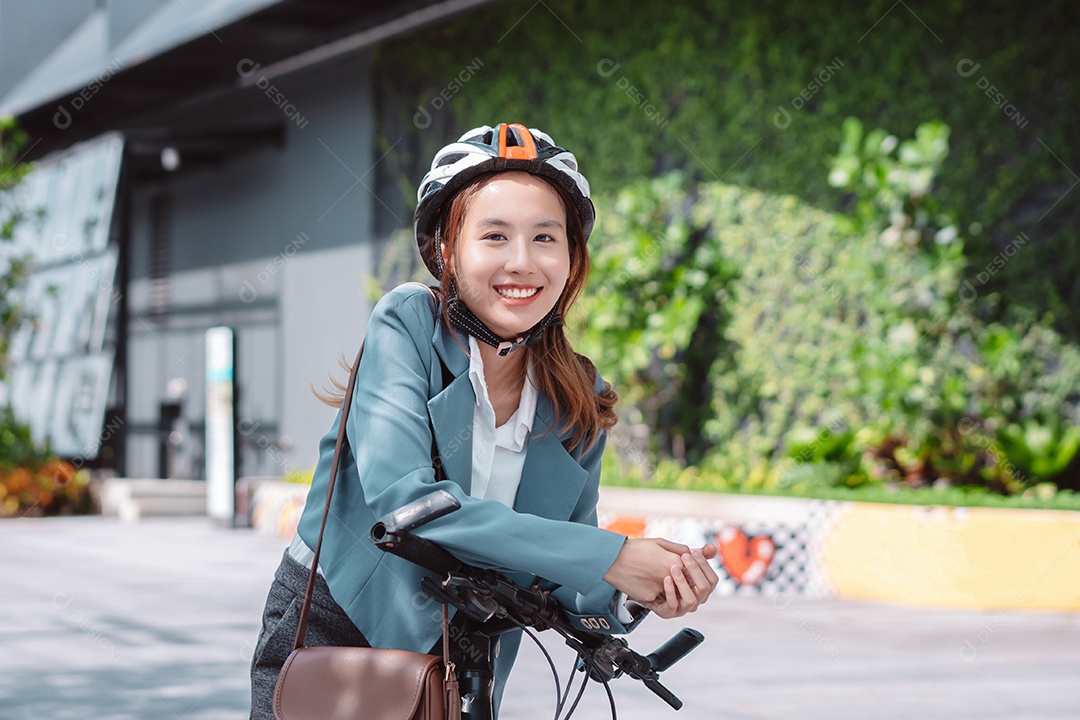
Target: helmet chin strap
x,y
463,319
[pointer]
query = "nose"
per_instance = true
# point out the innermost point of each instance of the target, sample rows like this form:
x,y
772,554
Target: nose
x,y
520,259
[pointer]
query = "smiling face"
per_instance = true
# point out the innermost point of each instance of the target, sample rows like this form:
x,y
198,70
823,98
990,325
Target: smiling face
x,y
512,258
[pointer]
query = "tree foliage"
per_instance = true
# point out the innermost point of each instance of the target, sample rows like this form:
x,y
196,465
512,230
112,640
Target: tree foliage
x,y
908,327
13,268
637,90
842,349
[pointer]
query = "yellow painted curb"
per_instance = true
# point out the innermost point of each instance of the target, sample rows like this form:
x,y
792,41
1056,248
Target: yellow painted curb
x,y
956,557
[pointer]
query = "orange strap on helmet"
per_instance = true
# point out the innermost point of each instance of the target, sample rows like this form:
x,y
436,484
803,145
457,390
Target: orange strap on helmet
x,y
517,152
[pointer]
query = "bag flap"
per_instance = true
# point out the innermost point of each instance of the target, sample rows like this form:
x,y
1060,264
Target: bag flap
x,y
349,683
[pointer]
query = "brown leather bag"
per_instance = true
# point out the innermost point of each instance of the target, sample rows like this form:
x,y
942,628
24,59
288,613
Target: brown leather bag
x,y
351,683
344,683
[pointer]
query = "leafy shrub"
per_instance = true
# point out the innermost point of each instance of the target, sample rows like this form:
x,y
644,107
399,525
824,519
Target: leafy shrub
x,y
640,89
13,268
299,477
841,351
35,483
657,290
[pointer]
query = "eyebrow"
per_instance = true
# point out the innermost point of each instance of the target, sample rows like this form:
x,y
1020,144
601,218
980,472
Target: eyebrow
x,y
499,222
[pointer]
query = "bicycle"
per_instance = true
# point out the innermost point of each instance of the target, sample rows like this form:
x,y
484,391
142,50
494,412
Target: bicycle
x,y
490,604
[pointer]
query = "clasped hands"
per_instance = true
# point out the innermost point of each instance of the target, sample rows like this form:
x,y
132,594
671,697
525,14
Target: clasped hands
x,y
669,578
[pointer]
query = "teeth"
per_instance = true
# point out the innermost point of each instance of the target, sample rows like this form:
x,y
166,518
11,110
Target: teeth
x,y
517,293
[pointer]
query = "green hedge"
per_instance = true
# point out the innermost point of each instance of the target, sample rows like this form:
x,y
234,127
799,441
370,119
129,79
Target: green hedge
x,y
1045,497
776,347
773,309
641,89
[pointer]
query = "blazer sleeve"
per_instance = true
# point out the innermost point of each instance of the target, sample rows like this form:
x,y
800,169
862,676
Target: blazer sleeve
x,y
390,433
598,600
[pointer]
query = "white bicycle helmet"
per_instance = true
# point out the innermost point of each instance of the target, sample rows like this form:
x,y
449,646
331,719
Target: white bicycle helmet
x,y
507,146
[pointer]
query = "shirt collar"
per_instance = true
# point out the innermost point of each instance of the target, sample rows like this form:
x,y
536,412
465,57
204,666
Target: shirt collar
x,y
522,420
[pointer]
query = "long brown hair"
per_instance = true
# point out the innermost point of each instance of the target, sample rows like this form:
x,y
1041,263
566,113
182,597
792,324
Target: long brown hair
x,y
564,376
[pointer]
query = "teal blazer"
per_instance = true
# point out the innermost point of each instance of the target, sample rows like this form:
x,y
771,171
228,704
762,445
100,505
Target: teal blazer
x,y
399,398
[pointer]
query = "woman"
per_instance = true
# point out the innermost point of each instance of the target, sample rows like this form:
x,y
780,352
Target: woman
x,y
485,380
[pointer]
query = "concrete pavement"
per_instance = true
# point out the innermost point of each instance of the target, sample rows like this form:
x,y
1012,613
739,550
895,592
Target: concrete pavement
x,y
157,619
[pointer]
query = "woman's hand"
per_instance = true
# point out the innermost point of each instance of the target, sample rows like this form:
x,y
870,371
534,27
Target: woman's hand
x,y
688,585
642,566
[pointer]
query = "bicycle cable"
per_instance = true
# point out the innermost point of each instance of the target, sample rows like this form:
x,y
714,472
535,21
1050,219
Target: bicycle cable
x,y
589,666
569,687
551,662
611,701
581,691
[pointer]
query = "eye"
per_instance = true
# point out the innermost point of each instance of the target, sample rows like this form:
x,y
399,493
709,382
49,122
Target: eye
x,y
495,236
545,238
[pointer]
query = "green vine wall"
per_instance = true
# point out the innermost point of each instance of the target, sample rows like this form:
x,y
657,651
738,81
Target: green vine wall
x,y
754,94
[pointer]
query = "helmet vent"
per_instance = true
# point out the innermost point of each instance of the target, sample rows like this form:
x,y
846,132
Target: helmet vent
x,y
451,158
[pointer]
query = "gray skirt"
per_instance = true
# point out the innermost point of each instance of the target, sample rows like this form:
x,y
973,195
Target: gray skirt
x,y
327,625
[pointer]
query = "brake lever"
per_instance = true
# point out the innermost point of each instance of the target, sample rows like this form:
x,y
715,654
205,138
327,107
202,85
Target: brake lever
x,y
642,668
663,693
614,657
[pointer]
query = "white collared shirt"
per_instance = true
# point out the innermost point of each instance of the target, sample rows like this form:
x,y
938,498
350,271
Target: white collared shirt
x,y
498,452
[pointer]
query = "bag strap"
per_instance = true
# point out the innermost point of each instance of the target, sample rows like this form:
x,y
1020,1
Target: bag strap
x,y
440,474
301,628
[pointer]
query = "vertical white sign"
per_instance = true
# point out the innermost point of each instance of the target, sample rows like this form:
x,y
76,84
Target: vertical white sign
x,y
219,423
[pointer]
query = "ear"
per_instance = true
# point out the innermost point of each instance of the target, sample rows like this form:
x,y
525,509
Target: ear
x,y
447,258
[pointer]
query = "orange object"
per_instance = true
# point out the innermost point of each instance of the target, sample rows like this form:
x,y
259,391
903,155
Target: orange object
x,y
629,526
517,152
745,559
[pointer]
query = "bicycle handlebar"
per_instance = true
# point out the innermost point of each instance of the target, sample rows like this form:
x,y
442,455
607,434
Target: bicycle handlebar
x,y
416,550
484,594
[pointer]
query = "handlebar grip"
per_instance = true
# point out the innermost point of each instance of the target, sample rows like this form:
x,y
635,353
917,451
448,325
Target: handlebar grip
x,y
674,649
430,507
416,550
664,694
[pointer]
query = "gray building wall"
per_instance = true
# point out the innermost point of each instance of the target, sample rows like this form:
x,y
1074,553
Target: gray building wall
x,y
31,31
277,244
126,15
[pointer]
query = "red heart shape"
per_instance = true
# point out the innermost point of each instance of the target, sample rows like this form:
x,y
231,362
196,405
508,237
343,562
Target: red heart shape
x,y
746,560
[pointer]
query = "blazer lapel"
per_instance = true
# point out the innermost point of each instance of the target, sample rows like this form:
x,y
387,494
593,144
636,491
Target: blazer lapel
x,y
552,479
451,345
451,410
